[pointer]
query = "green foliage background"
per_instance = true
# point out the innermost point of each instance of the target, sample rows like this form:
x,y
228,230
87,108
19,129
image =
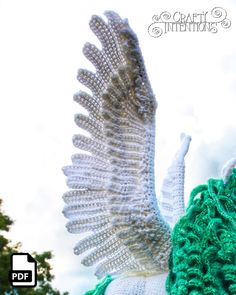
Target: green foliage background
x,y
44,274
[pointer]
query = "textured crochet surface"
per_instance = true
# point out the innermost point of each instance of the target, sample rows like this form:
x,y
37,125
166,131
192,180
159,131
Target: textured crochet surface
x,y
203,257
138,285
112,195
101,287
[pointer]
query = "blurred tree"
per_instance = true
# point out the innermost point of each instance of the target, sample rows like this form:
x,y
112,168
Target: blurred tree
x,y
44,276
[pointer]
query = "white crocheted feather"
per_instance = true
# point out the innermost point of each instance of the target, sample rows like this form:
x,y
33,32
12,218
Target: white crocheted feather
x,y
227,169
172,191
138,285
113,194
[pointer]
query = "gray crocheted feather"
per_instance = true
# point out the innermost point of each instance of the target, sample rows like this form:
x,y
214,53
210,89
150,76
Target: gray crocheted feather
x,y
112,194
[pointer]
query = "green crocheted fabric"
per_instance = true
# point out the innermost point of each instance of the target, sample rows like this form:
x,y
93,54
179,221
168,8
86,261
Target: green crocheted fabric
x,y
100,287
203,258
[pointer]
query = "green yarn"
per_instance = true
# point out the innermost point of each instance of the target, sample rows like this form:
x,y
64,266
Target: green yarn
x,y
203,257
100,287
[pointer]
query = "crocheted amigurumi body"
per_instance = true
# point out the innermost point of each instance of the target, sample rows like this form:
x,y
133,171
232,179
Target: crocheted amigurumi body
x,y
203,256
112,194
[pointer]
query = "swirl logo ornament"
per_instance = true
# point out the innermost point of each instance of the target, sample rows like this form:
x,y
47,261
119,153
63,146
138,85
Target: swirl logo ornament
x,y
204,21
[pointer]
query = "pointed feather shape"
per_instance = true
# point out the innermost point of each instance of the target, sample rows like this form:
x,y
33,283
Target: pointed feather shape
x,y
93,240
113,193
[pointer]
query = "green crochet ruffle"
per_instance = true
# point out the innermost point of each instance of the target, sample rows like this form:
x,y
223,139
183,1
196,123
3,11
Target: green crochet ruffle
x,y
100,287
203,257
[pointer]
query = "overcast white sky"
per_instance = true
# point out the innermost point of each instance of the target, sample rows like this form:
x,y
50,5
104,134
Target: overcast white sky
x,y
192,74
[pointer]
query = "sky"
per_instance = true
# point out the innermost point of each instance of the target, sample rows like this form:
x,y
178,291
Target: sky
x,y
192,75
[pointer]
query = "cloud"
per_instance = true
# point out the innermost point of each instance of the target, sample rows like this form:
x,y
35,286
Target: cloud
x,y
210,157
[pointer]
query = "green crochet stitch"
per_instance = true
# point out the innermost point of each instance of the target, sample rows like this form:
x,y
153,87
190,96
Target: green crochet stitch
x,y
100,287
203,258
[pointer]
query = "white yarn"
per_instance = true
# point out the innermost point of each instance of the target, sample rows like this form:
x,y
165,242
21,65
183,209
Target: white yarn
x,y
172,191
138,285
112,194
227,169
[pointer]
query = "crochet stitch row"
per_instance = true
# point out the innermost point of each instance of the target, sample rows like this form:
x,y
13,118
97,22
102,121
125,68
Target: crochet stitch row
x,y
203,257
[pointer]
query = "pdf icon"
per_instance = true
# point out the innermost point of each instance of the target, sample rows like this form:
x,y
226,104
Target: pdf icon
x,y
23,270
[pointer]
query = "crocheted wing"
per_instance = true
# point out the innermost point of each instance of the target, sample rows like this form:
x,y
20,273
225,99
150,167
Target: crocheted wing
x,y
113,194
172,191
